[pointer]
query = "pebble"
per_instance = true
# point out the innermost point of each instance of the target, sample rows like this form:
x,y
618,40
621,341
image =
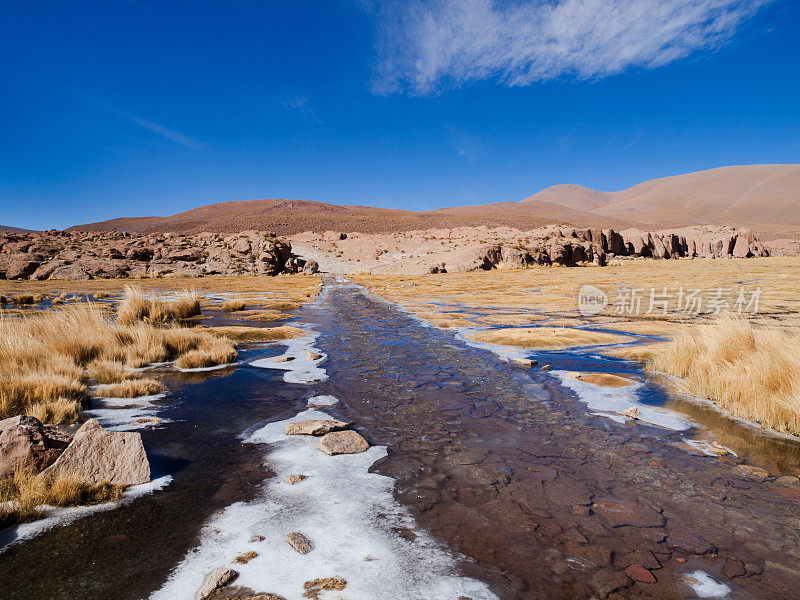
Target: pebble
x,y
299,542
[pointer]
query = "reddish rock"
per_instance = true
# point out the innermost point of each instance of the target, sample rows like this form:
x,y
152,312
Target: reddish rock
x,y
25,442
689,542
620,512
640,574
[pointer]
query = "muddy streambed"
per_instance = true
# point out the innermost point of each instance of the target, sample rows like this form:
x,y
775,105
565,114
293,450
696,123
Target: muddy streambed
x,y
534,495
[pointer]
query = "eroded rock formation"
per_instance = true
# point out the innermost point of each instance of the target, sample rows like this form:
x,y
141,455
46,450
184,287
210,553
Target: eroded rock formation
x,y
86,255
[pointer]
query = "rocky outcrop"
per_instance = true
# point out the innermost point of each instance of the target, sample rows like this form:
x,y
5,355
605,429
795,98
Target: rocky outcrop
x,y
570,247
96,455
81,255
25,442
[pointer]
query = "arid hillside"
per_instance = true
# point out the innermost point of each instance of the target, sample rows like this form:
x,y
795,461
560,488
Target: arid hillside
x,y
765,198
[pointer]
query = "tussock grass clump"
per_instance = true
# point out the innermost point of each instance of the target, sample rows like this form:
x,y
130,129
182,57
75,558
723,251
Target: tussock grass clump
x,y
752,373
48,359
546,337
109,371
216,352
136,307
233,305
22,299
645,353
257,334
132,388
23,493
55,412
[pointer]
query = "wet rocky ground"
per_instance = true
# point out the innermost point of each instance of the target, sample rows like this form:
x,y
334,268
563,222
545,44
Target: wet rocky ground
x,y
507,468
496,460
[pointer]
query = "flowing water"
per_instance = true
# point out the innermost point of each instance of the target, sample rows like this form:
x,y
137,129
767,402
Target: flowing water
x,y
501,464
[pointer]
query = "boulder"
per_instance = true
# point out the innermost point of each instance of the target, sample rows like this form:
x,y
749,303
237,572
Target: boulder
x,y
315,427
24,442
96,455
342,442
311,267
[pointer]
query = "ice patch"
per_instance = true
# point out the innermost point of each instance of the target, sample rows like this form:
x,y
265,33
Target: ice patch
x,y
610,402
705,586
212,368
506,353
323,401
122,414
348,513
300,369
709,448
57,515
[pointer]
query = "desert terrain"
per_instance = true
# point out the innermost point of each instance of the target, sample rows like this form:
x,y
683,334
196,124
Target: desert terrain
x,y
492,402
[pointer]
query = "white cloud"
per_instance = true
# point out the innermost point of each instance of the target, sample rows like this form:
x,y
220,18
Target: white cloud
x,y
165,132
425,46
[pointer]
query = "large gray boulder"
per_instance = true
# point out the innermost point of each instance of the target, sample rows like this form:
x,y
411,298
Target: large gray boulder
x,y
96,455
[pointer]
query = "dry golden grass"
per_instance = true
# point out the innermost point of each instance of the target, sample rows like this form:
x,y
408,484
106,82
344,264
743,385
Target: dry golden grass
x,y
553,338
233,305
218,351
132,388
55,411
554,290
256,334
137,307
639,353
515,319
109,371
752,373
648,327
48,358
23,299
245,558
602,379
22,493
261,315
445,320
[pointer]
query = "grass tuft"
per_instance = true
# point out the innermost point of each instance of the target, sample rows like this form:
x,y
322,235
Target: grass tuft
x,y
132,388
233,305
752,373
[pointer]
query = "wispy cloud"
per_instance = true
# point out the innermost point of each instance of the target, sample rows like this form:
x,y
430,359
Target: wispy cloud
x,y
302,105
427,45
165,132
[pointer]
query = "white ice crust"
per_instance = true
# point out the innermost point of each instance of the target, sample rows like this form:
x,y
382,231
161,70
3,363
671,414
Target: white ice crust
x,y
348,513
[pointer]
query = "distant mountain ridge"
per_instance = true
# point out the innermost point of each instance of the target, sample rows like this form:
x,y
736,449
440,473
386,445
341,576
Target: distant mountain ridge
x,y
765,198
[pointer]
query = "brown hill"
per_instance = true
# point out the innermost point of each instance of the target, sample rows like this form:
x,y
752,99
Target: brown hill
x,y
16,229
765,198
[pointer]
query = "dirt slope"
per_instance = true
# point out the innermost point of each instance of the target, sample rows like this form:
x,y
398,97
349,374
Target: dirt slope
x,y
765,198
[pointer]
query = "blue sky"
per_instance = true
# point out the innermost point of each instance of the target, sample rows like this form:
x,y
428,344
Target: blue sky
x,y
125,108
